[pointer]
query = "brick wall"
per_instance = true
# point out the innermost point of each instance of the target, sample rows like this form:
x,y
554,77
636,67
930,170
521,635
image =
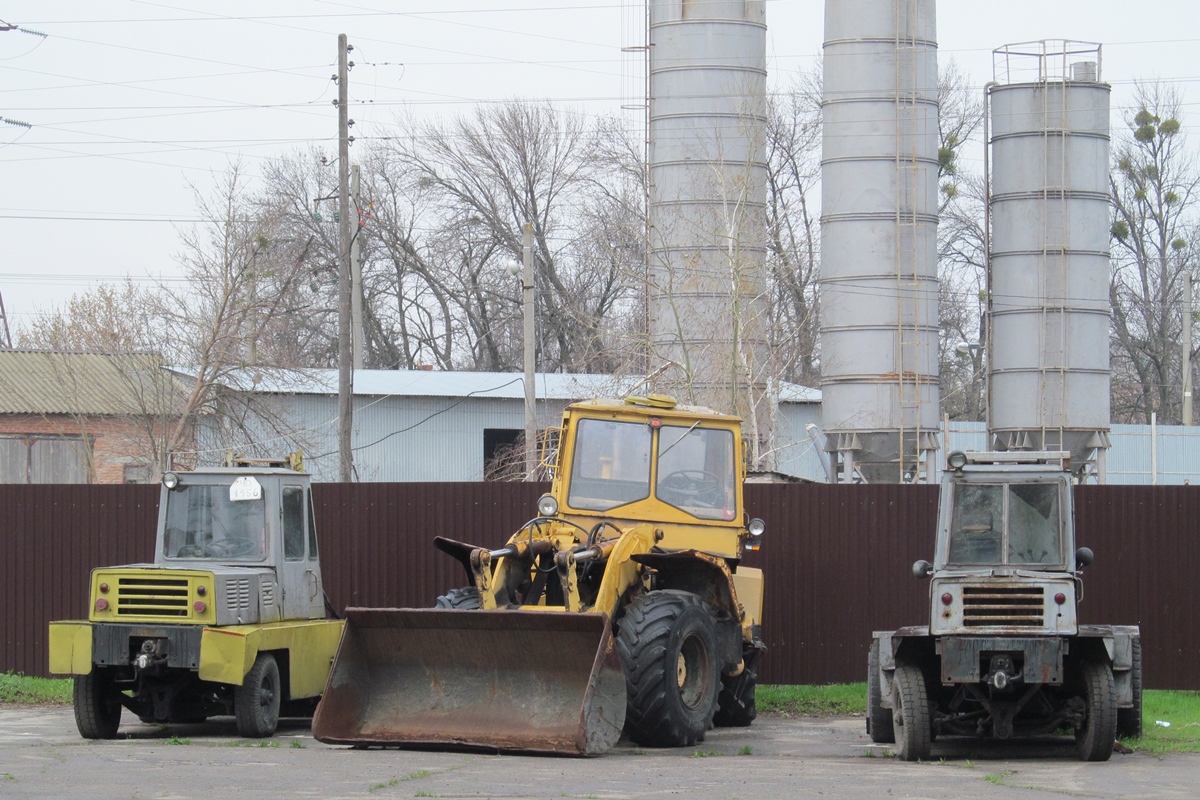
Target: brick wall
x,y
117,442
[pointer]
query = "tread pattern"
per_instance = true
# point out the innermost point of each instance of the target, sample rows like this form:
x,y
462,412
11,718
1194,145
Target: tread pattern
x,y
465,598
97,711
879,719
652,633
910,720
258,713
1095,739
1129,720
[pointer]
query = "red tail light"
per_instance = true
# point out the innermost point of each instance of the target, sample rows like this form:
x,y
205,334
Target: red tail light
x,y
101,604
200,606
1060,598
947,599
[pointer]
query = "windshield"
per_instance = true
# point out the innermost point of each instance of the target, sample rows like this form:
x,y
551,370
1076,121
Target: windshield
x,y
1005,524
696,471
203,522
611,464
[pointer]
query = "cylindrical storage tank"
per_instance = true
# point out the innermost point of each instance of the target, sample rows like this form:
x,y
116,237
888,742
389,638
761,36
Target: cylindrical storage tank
x,y
879,201
1048,321
707,157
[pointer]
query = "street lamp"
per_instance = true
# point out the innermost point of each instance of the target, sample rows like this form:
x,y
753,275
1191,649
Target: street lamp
x,y
526,269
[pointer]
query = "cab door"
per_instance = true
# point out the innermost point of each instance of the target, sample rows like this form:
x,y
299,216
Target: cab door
x,y
294,575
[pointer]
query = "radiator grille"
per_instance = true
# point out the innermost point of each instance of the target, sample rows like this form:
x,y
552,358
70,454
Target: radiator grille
x,y
1004,606
153,597
237,594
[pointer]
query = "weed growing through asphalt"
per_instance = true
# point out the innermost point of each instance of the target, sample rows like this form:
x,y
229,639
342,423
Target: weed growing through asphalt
x,y
705,753
297,744
997,779
416,776
375,787
267,743
177,740
746,750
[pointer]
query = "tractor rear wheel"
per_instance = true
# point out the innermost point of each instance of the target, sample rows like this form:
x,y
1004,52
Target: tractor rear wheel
x,y
97,707
668,647
879,719
1129,720
735,704
256,701
465,598
1094,740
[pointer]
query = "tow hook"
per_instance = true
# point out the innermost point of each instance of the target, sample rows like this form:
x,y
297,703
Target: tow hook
x,y
153,655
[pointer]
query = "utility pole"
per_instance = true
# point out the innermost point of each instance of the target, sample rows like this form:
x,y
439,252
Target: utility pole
x,y
356,287
531,449
1187,347
345,375
4,319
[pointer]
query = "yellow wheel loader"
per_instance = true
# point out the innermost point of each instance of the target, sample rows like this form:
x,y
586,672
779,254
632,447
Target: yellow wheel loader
x,y
620,607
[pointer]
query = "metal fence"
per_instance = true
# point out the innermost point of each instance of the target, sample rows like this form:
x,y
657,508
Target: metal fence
x,y
837,560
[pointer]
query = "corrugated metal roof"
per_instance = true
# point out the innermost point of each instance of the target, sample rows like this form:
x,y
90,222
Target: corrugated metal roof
x,y
51,382
430,383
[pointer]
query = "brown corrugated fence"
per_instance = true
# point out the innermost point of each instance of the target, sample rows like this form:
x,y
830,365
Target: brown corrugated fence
x,y
837,560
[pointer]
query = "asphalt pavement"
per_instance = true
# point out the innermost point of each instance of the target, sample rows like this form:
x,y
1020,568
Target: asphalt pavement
x,y
42,755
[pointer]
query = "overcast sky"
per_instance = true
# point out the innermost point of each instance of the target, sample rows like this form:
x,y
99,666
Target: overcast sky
x,y
132,102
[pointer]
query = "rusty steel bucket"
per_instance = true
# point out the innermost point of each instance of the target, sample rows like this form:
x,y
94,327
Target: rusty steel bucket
x,y
519,681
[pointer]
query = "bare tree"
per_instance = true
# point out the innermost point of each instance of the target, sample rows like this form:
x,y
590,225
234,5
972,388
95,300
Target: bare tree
x,y
793,139
962,257
1154,184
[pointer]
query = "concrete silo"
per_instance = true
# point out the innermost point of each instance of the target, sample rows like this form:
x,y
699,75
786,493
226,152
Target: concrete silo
x,y
707,100
879,201
1048,319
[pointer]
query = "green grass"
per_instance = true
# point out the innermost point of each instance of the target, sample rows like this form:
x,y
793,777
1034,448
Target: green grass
x,y
1182,710
34,691
813,701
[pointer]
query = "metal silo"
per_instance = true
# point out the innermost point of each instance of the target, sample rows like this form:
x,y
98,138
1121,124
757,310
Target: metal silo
x,y
879,201
1048,363
707,101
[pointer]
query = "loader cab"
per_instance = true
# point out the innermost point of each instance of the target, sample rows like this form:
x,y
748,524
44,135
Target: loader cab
x,y
650,462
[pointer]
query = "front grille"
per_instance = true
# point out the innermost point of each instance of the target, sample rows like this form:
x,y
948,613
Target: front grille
x,y
152,597
1004,606
237,594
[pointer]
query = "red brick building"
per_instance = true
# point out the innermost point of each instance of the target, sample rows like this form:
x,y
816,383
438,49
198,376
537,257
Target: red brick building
x,y
69,417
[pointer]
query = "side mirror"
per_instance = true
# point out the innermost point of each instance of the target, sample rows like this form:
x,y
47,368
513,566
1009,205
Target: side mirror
x,y
922,569
1084,557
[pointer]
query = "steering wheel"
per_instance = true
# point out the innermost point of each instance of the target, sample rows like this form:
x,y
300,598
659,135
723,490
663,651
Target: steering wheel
x,y
190,551
228,548
692,484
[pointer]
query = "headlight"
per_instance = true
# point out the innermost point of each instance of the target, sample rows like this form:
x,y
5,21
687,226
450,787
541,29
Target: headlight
x,y
756,527
957,459
547,506
170,480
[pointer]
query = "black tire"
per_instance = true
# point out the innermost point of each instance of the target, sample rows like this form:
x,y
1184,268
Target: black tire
x,y
1094,740
910,713
735,703
668,647
879,719
256,701
1129,720
97,705
463,599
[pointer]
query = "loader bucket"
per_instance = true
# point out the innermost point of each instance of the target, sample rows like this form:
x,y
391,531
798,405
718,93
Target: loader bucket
x,y
519,681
